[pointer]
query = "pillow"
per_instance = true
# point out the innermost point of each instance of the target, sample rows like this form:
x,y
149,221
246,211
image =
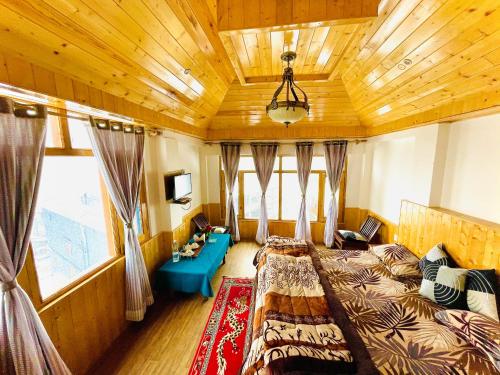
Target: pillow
x,y
398,260
349,235
429,275
449,287
479,330
481,286
436,254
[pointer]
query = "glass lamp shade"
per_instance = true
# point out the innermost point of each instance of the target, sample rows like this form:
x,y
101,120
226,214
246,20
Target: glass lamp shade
x,y
287,115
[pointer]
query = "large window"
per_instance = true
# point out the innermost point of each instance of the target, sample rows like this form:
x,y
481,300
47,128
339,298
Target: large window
x,y
75,229
70,234
283,194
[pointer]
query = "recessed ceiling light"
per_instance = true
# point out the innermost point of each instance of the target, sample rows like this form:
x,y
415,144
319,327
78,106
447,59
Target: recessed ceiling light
x,y
187,71
401,66
407,61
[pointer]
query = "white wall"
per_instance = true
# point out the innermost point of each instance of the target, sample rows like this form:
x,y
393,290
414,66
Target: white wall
x,y
164,154
392,167
454,166
471,183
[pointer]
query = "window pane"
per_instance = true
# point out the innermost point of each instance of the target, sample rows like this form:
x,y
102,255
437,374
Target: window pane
x,y
312,196
291,196
246,164
253,193
289,163
318,163
79,134
137,223
53,138
70,235
272,197
328,196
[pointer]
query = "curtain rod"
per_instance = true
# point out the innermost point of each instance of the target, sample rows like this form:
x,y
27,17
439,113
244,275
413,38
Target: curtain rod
x,y
314,141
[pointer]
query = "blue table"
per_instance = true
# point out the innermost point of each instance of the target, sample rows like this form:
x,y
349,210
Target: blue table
x,y
194,275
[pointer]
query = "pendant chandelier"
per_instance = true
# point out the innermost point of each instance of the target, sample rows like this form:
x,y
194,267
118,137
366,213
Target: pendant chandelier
x,y
288,111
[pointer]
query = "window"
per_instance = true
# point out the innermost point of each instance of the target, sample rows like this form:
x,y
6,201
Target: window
x,y
253,194
78,133
72,230
70,234
141,220
283,194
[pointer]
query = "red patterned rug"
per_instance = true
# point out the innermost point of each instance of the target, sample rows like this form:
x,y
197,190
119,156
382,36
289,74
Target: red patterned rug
x,y
225,339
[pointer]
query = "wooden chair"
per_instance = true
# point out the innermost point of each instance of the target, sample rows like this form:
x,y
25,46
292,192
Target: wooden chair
x,y
200,222
366,233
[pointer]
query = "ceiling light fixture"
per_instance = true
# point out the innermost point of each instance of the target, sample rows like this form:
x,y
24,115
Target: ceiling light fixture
x,y
288,111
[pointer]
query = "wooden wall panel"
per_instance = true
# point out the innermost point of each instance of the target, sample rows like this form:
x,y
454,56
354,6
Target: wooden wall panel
x,y
184,231
471,242
213,213
354,217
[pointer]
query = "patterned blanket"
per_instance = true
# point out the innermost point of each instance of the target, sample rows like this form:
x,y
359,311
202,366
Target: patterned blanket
x,y
293,329
395,323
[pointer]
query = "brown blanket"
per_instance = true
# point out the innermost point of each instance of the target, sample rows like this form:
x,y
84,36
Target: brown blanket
x,y
293,328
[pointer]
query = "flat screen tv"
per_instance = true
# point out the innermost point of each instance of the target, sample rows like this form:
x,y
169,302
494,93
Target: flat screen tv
x,y
182,185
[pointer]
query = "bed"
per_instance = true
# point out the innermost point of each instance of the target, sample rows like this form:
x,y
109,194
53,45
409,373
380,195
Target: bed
x,y
342,311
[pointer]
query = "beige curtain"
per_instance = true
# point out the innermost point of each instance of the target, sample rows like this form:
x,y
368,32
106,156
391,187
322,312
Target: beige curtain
x,y
304,151
263,157
25,347
120,155
335,152
230,162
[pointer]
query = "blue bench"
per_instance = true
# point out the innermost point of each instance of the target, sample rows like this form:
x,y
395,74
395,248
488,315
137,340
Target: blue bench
x,y
194,275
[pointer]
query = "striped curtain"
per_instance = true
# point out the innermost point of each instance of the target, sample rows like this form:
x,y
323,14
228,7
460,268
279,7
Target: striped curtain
x,y
304,151
230,162
335,158
264,156
25,347
119,150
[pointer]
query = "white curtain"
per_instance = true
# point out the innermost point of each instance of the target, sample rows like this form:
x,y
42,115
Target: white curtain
x,y
230,162
263,157
335,152
25,347
304,151
120,155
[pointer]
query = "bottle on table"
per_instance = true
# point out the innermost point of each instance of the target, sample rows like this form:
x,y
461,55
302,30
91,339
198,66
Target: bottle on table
x,y
175,252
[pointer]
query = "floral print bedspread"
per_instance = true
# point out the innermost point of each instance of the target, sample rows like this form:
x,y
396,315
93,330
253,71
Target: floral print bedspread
x,y
396,324
293,329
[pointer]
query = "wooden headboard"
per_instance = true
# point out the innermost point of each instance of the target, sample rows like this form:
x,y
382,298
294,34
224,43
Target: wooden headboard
x,y
471,242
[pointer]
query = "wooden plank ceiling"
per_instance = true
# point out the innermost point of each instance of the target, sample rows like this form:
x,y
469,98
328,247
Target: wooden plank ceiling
x,y
419,61
244,106
134,49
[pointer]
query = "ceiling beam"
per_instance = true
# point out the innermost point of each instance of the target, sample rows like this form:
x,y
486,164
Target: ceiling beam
x,y
239,15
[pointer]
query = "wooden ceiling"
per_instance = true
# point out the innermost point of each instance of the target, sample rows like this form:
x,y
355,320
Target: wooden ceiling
x,y
419,61
319,51
133,49
244,106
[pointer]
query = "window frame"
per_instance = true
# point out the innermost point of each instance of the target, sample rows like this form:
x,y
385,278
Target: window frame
x,y
116,240
321,192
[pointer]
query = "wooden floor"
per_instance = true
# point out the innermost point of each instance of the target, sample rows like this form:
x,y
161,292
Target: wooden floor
x,y
166,340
